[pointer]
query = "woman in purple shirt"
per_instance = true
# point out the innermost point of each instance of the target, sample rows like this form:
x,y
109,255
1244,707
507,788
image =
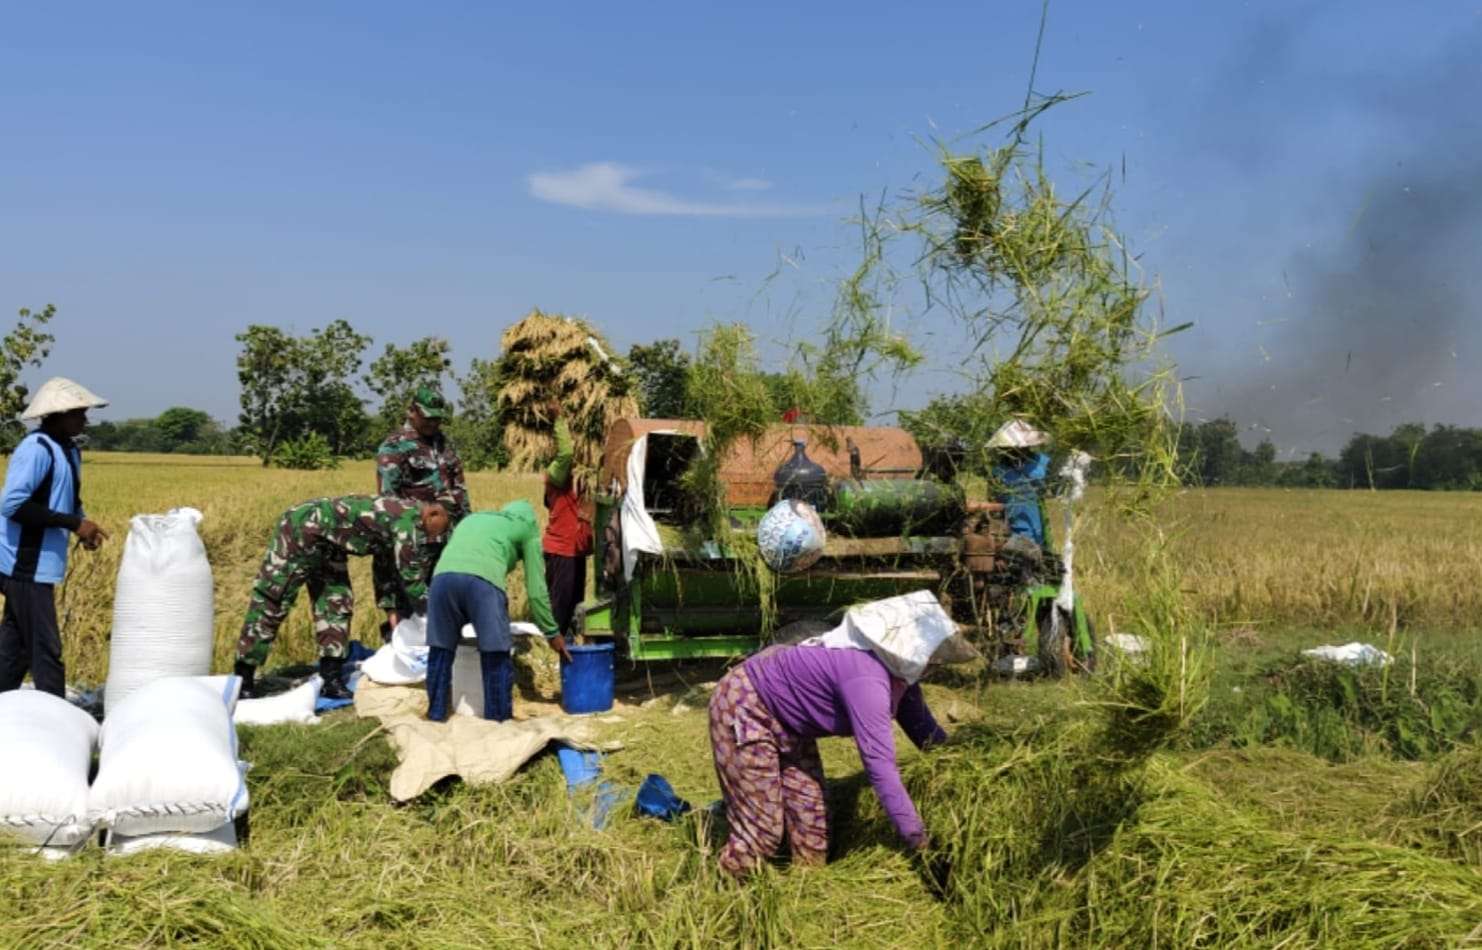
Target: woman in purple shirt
x,y
767,715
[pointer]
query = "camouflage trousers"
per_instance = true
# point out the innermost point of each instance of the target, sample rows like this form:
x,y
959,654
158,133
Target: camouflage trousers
x,y
325,573
386,580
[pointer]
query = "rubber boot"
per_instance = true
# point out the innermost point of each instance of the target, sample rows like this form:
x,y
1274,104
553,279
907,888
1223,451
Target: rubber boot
x,y
439,683
247,673
332,671
498,672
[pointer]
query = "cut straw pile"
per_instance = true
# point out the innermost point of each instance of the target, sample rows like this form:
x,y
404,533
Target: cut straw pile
x,y
545,357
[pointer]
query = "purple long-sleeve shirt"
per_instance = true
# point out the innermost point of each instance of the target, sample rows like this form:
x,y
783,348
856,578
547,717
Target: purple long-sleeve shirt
x,y
816,691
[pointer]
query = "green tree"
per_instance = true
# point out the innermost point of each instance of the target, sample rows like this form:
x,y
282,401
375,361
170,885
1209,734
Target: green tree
x,y
180,425
293,386
478,429
395,375
267,368
27,344
663,370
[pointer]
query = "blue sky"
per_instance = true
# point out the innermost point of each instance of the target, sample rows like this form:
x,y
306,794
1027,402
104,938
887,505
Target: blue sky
x,y
170,173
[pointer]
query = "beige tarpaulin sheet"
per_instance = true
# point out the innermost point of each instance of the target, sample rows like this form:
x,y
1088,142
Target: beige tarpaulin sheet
x,y
478,751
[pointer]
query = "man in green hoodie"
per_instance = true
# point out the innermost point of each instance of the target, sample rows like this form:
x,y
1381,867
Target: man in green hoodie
x,y
468,586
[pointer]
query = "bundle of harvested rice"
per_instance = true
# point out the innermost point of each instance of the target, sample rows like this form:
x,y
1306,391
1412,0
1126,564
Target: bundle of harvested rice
x,y
1049,846
1445,810
546,357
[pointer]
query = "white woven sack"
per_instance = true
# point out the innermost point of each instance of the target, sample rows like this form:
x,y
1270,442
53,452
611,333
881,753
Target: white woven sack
x,y
295,705
403,661
168,761
46,749
467,698
221,840
162,607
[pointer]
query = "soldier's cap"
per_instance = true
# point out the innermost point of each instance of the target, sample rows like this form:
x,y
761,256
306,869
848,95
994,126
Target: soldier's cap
x,y
431,402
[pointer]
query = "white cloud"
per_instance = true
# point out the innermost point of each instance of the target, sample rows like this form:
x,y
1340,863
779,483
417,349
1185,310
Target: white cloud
x,y
749,184
609,186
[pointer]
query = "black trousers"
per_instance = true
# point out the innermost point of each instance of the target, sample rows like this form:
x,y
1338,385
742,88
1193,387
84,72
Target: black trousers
x,y
566,579
29,638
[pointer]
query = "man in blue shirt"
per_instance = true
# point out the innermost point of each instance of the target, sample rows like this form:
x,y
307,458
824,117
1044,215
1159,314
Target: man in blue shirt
x,y
1020,475
42,507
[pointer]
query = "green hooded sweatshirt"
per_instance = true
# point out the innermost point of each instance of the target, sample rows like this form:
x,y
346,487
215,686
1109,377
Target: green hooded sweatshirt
x,y
488,544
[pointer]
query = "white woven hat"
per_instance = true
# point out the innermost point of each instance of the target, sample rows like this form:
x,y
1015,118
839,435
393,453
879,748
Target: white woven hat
x,y
1017,434
60,394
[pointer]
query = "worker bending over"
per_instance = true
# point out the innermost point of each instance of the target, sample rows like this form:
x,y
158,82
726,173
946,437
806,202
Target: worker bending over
x,y
767,716
568,532
468,586
311,547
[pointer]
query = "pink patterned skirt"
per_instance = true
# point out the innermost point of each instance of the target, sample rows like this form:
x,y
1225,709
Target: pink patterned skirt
x,y
770,778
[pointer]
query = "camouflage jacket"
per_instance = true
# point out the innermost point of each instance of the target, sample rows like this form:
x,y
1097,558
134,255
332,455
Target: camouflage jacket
x,y
360,525
408,467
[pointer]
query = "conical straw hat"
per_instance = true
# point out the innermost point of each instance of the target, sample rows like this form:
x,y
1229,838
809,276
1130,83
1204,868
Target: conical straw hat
x,y
1017,434
60,394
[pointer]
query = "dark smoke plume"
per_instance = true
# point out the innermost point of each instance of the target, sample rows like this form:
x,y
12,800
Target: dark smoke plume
x,y
1382,321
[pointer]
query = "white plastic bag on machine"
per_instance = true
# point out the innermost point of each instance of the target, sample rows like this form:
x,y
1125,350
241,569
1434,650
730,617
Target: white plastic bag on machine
x,y
162,607
46,749
168,761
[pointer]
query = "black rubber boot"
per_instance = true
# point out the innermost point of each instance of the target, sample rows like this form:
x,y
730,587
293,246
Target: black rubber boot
x,y
332,671
246,672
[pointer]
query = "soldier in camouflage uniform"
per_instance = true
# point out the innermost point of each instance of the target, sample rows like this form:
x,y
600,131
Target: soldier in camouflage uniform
x,y
311,547
417,463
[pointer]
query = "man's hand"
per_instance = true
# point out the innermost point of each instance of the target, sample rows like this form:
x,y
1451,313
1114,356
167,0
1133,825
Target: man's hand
x,y
558,643
393,619
91,535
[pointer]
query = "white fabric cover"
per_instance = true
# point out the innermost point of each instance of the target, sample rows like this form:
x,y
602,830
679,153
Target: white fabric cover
x,y
221,840
46,749
162,608
168,761
640,534
903,632
403,661
295,705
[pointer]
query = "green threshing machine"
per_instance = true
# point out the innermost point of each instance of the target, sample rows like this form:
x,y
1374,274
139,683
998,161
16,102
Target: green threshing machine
x,y
897,522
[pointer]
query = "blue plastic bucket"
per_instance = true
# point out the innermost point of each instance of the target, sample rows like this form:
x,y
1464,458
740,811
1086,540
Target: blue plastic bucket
x,y
586,682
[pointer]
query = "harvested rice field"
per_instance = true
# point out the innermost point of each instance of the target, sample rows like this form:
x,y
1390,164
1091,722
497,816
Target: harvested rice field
x,y
1295,804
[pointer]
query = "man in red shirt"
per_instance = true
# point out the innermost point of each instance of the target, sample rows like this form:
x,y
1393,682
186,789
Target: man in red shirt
x,y
568,532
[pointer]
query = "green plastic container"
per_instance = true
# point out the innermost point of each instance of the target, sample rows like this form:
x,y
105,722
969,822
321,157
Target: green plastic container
x,y
892,507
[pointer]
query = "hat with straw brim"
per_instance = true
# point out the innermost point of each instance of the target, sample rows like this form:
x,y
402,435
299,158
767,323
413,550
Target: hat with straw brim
x,y
60,394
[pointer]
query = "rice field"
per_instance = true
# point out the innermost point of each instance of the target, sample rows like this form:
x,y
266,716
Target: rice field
x,y
1301,807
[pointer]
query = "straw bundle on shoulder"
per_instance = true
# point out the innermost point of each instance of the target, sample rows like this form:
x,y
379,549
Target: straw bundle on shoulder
x,y
548,356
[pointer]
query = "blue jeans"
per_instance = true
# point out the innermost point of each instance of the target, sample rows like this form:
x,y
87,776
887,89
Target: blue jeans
x,y
456,599
452,601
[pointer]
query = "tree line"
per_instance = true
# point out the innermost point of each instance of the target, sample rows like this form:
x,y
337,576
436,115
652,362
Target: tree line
x,y
308,400
1439,458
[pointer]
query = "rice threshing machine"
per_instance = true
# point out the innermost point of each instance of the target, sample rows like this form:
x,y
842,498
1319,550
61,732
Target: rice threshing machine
x,y
897,521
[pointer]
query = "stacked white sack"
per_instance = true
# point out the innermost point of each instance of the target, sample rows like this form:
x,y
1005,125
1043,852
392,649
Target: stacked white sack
x,y
162,606
168,761
46,750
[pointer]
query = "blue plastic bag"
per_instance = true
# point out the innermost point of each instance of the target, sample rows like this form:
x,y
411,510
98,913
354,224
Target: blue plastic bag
x,y
656,799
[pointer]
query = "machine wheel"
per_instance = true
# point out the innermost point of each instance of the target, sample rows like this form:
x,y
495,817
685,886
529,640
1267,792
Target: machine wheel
x,y
1057,642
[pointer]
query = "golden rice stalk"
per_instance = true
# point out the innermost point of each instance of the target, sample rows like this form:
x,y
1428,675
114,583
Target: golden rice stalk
x,y
547,356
